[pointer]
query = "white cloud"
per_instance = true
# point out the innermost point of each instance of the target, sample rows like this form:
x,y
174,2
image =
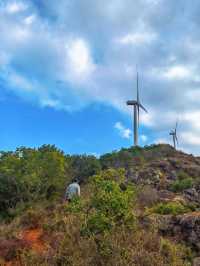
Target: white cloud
x,y
123,131
29,20
15,7
191,118
137,38
79,58
177,72
190,138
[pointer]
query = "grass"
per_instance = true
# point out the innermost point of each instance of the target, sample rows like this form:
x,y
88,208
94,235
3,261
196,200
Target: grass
x,y
173,208
181,184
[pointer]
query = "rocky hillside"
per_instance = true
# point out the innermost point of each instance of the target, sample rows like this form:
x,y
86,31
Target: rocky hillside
x,y
134,201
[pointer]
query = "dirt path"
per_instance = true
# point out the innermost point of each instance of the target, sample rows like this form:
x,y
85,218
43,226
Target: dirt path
x,y
33,239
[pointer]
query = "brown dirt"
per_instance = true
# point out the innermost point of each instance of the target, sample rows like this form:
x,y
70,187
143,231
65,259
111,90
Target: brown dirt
x,y
31,239
34,239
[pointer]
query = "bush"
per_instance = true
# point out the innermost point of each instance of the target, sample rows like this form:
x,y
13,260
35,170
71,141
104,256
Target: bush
x,y
83,166
75,206
183,175
173,208
110,206
27,175
181,184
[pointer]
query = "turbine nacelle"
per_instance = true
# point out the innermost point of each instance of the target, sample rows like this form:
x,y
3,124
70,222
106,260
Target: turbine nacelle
x,y
132,102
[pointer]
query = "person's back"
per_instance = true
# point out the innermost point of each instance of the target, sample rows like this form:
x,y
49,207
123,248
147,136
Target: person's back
x,y
72,190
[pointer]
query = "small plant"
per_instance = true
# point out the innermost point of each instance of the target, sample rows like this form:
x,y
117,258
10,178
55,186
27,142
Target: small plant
x,y
173,253
75,206
181,184
173,208
182,175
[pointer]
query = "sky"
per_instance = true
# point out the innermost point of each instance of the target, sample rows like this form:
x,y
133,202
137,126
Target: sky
x,y
67,68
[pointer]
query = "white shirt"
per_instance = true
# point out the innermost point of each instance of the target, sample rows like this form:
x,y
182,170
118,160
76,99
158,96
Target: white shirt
x,y
72,190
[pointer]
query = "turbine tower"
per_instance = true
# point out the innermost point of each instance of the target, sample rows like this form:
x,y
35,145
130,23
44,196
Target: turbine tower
x,y
136,109
174,136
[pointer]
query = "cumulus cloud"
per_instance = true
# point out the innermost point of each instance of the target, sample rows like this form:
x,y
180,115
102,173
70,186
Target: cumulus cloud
x,y
79,59
77,53
123,131
15,7
190,138
137,38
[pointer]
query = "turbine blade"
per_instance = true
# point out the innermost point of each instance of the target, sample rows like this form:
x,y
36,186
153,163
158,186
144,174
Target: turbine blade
x,y
141,106
176,139
176,127
138,98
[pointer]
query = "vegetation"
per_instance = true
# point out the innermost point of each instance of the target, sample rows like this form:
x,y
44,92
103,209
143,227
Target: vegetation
x,y
104,226
110,206
181,184
28,175
173,208
99,229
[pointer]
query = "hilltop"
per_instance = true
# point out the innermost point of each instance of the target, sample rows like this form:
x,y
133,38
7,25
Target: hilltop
x,y
139,206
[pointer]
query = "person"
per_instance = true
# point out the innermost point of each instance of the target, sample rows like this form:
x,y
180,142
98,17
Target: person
x,y
72,190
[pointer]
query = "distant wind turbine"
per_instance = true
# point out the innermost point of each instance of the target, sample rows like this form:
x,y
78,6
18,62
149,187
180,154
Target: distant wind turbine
x,y
173,133
136,108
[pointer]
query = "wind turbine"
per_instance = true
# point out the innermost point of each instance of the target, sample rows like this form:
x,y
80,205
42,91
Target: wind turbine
x,y
136,109
174,135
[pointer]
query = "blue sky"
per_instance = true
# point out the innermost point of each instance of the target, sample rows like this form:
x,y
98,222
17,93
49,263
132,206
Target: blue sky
x,y
68,67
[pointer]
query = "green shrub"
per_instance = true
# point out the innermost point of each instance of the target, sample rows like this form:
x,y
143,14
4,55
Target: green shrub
x,y
97,223
172,252
182,175
75,206
110,205
173,208
181,184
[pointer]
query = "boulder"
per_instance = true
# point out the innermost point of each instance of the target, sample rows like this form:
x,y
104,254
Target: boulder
x,y
196,261
192,195
184,227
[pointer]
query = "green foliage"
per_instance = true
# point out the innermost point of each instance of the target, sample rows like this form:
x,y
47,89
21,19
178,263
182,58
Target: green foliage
x,y
83,166
75,206
173,208
98,223
31,174
110,205
181,184
183,175
173,253
122,159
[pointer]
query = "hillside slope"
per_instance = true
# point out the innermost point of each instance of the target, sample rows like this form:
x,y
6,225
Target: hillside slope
x,y
139,206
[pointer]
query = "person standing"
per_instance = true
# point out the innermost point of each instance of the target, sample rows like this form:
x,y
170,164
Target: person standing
x,y
72,190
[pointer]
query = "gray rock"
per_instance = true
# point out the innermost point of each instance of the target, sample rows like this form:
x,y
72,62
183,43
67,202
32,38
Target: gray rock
x,y
192,194
196,261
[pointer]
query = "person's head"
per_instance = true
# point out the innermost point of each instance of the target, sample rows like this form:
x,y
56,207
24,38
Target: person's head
x,y
76,180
